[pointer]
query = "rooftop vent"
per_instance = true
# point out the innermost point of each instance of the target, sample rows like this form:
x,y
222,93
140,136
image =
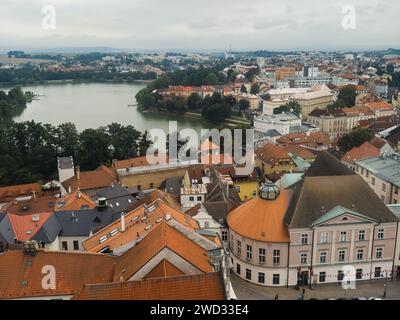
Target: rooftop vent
x,y
35,218
102,202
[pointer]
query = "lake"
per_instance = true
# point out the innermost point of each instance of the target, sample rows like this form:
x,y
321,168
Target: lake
x,y
90,105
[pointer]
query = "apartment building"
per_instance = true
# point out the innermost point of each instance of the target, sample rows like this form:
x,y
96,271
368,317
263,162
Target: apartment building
x,y
333,122
308,233
382,174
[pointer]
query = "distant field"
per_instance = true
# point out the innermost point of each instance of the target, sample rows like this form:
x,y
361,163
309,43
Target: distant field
x,y
5,59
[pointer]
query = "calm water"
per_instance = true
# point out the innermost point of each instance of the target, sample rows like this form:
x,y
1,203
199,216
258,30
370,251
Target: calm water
x,y
91,105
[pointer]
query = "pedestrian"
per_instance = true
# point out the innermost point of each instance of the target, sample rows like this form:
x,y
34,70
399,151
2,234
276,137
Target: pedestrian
x,y
276,297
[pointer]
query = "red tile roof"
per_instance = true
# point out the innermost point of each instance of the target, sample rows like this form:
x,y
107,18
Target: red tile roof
x,y
271,154
162,236
261,219
100,178
366,150
138,223
25,227
207,286
77,200
19,190
21,275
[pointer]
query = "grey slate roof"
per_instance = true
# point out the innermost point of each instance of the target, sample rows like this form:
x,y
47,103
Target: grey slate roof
x,y
65,163
328,186
118,198
49,231
6,230
327,165
83,222
173,185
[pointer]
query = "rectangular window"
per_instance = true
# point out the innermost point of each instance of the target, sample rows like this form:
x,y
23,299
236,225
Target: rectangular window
x,y
381,234
199,198
340,275
249,255
206,224
304,238
324,237
275,279
276,257
191,198
360,254
303,258
322,257
342,255
359,274
76,245
379,253
343,236
224,235
261,255
64,245
239,248
248,274
322,276
238,268
378,272
361,235
261,277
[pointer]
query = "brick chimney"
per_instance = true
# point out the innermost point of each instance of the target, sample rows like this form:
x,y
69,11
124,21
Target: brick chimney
x,y
78,173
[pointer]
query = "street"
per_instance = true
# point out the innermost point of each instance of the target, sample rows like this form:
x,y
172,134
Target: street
x,y
248,291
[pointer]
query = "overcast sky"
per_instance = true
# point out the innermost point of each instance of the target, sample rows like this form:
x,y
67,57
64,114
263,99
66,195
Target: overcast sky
x,y
205,24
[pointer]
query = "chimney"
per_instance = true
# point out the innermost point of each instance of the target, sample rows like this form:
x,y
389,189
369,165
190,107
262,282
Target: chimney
x,y
167,217
122,222
79,193
78,173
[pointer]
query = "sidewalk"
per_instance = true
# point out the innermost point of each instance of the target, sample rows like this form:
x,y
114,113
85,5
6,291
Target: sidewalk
x,y
248,291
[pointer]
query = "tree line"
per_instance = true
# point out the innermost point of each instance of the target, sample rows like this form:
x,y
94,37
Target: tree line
x,y
30,74
12,103
29,150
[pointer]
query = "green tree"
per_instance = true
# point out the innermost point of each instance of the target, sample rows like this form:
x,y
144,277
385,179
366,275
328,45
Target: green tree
x,y
348,95
194,101
67,137
291,106
339,104
244,104
354,139
124,141
94,149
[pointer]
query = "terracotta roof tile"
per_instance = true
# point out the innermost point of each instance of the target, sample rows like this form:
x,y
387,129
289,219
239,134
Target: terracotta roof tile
x,y
19,190
366,150
21,275
99,178
25,227
77,200
261,219
137,222
207,286
271,153
162,236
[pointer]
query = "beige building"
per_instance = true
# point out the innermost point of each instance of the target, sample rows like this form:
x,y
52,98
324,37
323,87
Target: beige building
x,y
333,122
356,114
318,97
